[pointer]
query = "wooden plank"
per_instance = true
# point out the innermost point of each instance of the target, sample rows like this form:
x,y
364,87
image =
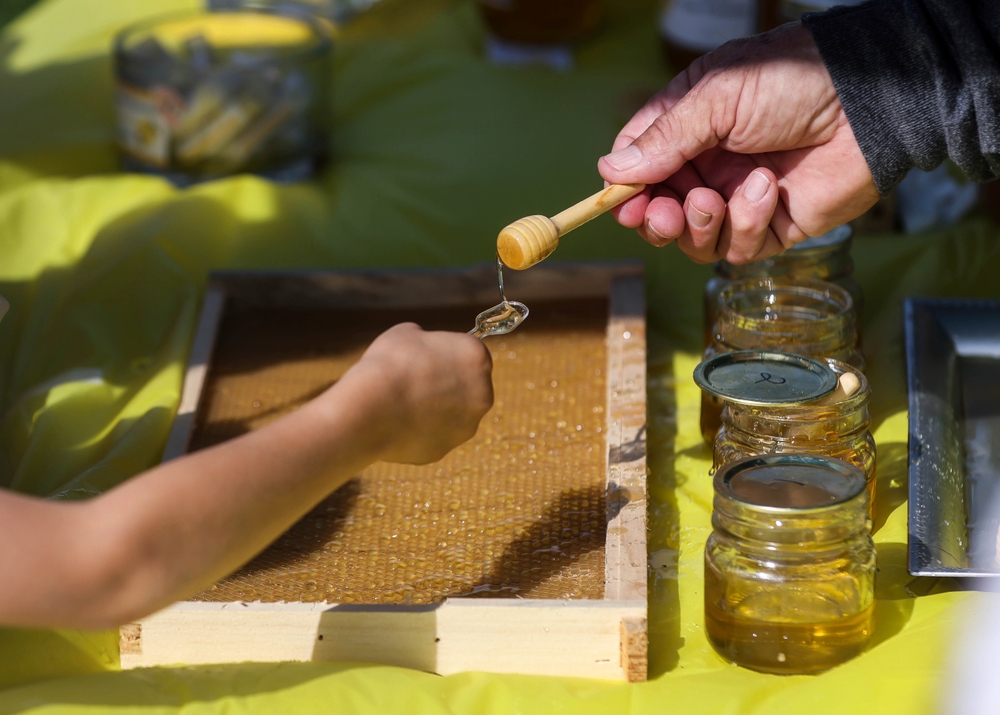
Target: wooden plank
x,y
625,564
568,638
197,371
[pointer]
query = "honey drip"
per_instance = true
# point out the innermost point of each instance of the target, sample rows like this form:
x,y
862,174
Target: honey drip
x,y
503,296
502,318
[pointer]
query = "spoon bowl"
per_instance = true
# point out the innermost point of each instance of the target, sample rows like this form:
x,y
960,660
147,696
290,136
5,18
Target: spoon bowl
x,y
500,319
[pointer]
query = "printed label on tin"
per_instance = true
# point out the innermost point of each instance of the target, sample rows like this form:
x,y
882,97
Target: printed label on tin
x,y
145,119
143,129
703,25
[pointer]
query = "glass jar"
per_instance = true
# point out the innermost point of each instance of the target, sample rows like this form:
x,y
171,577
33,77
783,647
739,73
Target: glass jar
x,y
790,564
777,12
334,12
690,28
540,22
808,317
839,429
203,95
826,257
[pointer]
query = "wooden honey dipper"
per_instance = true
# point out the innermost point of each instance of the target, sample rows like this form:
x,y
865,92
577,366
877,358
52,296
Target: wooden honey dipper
x,y
847,384
531,239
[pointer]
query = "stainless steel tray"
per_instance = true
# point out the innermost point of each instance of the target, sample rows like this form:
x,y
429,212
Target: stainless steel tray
x,y
953,366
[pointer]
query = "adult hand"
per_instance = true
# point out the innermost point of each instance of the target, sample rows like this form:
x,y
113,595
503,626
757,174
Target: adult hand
x,y
433,388
744,154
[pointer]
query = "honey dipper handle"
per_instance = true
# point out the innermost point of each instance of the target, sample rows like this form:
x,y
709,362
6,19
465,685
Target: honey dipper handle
x,y
529,240
593,206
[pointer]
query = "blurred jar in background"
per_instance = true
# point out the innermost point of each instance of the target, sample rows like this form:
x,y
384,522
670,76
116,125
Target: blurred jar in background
x,y
540,22
204,95
690,28
336,12
778,12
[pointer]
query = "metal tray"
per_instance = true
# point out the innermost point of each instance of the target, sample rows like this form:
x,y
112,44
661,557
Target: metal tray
x,y
953,366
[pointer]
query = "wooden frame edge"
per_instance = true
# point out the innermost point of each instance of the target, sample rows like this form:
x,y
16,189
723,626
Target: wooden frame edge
x,y
196,372
596,639
625,564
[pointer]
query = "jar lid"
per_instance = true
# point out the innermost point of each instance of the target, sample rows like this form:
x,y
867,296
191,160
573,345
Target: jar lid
x,y
790,481
830,238
759,377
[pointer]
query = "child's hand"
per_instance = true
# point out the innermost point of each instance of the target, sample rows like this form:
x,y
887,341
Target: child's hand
x,y
431,388
174,530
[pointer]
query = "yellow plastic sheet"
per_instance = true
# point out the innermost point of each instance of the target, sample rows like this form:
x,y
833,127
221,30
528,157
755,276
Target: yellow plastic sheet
x,y
435,151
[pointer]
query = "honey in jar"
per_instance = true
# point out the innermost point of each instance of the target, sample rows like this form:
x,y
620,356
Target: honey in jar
x,y
540,22
792,417
826,257
790,564
803,316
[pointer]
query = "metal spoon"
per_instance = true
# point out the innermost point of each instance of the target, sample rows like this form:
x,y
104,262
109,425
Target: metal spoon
x,y
500,319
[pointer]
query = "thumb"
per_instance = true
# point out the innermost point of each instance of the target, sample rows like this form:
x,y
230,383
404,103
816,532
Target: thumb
x,y
674,138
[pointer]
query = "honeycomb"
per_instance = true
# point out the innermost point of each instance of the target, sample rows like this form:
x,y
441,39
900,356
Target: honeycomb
x,y
518,511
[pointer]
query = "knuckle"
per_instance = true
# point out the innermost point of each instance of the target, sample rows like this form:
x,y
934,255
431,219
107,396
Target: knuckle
x,y
745,249
660,131
738,258
698,254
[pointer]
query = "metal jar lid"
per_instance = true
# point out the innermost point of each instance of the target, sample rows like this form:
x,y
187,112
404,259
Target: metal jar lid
x,y
765,378
790,481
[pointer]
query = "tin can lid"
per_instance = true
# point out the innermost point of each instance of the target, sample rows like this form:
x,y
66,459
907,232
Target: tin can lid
x,y
759,377
830,238
790,481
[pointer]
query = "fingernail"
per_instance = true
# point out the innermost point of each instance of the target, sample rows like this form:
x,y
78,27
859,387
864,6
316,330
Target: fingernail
x,y
657,234
698,219
756,186
624,158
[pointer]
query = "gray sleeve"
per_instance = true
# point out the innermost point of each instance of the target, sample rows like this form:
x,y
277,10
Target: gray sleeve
x,y
919,81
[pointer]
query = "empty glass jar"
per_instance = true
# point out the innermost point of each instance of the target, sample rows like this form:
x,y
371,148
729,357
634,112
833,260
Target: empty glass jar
x,y
837,429
826,257
808,317
790,564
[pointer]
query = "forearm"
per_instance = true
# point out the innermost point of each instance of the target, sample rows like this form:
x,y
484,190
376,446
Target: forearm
x,y
179,527
919,81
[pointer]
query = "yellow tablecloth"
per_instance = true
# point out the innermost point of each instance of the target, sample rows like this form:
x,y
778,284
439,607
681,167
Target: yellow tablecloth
x,y
435,151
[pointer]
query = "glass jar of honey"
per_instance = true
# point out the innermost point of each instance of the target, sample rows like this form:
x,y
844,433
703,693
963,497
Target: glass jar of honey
x,y
540,22
797,421
790,564
803,316
826,257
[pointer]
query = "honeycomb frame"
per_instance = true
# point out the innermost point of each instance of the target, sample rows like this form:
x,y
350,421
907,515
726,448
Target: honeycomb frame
x,y
561,636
